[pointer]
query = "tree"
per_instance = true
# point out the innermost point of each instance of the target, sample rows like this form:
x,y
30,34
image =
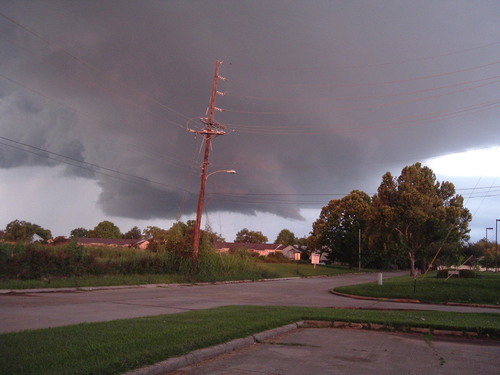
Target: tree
x,y
285,238
105,229
79,233
134,233
418,216
250,236
153,233
336,231
180,238
19,230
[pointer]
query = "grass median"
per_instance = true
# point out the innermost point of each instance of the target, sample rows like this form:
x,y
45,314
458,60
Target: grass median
x,y
117,346
481,290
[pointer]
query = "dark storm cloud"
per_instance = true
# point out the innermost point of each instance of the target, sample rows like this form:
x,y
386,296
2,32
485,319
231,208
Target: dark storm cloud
x,y
340,93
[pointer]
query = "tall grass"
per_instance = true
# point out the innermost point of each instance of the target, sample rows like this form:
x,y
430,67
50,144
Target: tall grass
x,y
28,262
220,267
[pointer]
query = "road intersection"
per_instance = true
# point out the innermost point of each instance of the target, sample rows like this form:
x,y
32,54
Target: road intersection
x,y
42,309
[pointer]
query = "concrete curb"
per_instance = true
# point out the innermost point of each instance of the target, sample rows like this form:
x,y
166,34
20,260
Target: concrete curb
x,y
200,355
416,301
388,328
374,298
147,286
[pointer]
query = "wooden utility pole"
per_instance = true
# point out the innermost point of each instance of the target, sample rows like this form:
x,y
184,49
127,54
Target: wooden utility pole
x,y
211,129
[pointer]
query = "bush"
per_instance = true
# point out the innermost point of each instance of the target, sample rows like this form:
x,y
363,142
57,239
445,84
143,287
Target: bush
x,y
466,274
277,257
39,261
442,274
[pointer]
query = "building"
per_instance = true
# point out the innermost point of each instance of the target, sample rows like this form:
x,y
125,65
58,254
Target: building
x,y
263,249
113,242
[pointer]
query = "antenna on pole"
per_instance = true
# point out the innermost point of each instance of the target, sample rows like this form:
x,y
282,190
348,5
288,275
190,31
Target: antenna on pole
x,y
211,128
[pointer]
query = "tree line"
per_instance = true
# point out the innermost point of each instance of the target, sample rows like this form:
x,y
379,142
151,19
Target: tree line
x,y
413,221
410,222
24,231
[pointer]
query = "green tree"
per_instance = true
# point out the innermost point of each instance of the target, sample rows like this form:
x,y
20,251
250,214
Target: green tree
x,y
418,216
134,233
19,230
302,241
179,238
153,233
79,233
250,236
105,229
336,231
286,238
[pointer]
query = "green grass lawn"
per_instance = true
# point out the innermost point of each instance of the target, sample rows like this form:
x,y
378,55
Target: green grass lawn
x,y
117,346
304,270
482,290
269,270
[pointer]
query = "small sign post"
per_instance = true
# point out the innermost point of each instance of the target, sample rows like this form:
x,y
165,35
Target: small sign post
x,y
314,259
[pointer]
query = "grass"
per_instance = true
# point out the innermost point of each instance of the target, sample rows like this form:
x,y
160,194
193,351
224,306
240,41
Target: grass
x,y
117,346
89,281
482,290
224,272
303,270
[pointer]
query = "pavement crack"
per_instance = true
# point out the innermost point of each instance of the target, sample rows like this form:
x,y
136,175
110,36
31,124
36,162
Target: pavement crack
x,y
289,344
428,340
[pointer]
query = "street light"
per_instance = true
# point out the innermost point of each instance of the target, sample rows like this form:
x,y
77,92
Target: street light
x,y
199,210
230,171
486,245
496,244
487,229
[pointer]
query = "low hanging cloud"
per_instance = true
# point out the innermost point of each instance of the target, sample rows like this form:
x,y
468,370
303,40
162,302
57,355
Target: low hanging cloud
x,y
321,98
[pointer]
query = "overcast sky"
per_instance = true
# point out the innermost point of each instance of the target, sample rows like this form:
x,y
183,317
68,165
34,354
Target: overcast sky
x,y
321,98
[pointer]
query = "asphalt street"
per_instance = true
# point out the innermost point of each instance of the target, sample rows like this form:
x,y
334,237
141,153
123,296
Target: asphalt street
x,y
34,309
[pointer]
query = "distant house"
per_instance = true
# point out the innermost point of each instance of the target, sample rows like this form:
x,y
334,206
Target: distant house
x,y
113,242
36,238
290,251
263,249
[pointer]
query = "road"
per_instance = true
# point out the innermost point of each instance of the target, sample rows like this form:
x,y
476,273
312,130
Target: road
x,y
34,310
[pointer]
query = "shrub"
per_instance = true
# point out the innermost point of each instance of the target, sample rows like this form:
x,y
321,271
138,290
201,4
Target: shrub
x,y
39,261
277,257
468,274
442,274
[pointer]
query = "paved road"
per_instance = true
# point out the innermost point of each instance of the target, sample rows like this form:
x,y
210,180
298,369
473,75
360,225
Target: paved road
x,y
40,310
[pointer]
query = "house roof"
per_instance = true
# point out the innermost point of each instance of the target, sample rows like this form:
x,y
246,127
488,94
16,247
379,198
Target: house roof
x,y
110,241
247,245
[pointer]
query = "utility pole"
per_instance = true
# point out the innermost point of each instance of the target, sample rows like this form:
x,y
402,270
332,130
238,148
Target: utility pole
x,y
212,128
359,250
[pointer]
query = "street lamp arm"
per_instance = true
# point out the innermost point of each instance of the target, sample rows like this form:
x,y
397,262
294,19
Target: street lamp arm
x,y
230,171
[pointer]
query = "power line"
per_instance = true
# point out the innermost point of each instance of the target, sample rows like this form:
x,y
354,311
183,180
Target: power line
x,y
80,112
334,128
91,66
357,107
296,99
96,168
368,84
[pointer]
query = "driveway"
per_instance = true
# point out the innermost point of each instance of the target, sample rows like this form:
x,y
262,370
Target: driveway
x,y
347,351
32,310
